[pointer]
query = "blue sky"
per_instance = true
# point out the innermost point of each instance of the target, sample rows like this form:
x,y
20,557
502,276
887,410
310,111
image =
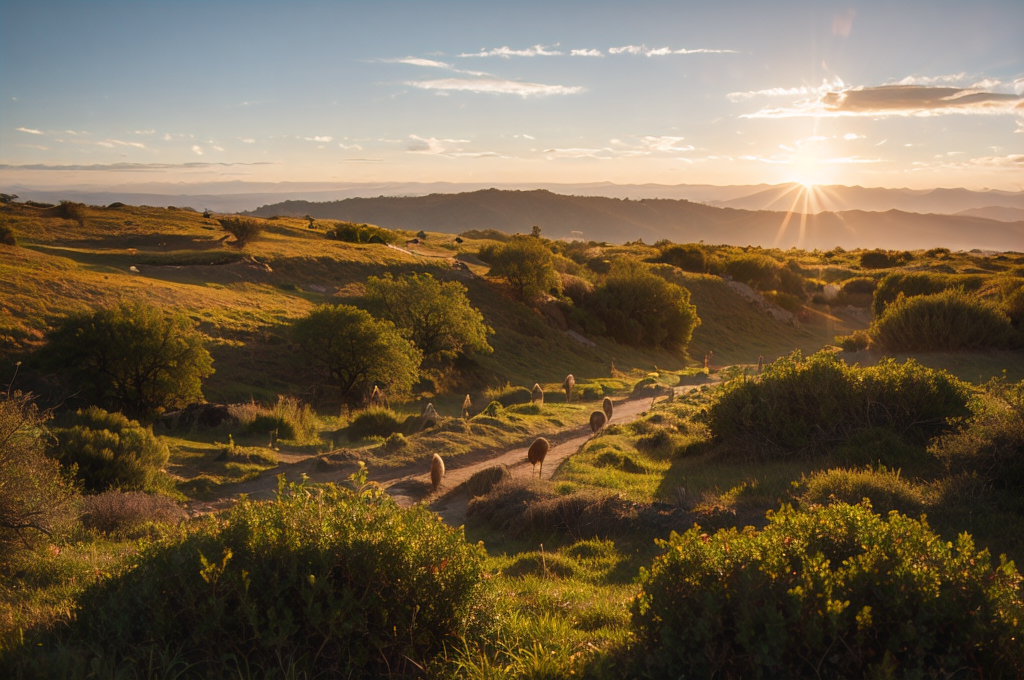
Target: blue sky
x,y
871,93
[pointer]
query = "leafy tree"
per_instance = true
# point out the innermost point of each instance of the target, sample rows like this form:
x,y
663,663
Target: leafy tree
x,y
133,357
642,309
438,316
527,265
34,494
356,351
110,451
244,229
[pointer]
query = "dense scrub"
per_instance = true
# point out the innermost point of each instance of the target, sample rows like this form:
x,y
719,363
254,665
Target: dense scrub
x,y
244,229
950,321
109,451
910,284
833,592
320,581
374,422
360,233
809,404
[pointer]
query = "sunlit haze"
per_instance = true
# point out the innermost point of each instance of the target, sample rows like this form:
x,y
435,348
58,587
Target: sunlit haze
x,y
907,94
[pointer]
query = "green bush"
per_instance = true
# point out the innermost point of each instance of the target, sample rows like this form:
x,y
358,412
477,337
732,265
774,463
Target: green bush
x,y
757,271
831,592
689,257
244,229
110,451
884,259
509,395
351,232
7,236
576,288
860,285
288,417
527,265
132,357
950,321
639,308
911,284
812,404
886,489
854,342
69,210
327,581
374,422
791,303
1013,305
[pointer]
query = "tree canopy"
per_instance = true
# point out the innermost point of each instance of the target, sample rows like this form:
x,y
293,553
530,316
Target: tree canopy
x,y
133,358
356,351
527,264
437,315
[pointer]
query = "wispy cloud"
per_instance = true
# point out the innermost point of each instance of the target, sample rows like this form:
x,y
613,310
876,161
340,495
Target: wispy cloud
x,y
662,51
507,52
127,167
30,131
494,86
247,140
587,53
802,91
444,147
599,154
319,138
196,149
432,63
111,143
898,100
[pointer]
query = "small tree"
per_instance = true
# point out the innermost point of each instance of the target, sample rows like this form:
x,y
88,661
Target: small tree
x,y
642,309
438,316
355,351
527,265
244,229
34,494
132,357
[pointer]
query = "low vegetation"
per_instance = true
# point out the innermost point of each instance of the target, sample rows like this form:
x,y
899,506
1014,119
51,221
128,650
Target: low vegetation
x,y
350,232
244,229
950,321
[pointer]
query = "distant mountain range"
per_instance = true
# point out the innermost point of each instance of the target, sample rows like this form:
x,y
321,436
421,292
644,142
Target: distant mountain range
x,y
617,220
236,196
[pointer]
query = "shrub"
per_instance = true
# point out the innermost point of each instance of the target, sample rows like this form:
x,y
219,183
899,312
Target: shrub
x,y
7,236
357,351
351,232
811,404
527,265
124,512
486,234
244,229
834,592
884,259
110,451
950,321
132,357
757,271
791,303
35,495
1013,305
374,422
885,488
509,395
911,284
289,417
689,257
854,342
438,316
642,309
329,581
860,285
576,288
69,210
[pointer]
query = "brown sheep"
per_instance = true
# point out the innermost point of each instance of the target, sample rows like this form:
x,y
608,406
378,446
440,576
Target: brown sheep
x,y
538,450
569,383
537,394
436,471
466,405
597,420
606,406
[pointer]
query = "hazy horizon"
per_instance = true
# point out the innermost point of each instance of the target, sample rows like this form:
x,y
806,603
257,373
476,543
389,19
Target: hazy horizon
x,y
919,95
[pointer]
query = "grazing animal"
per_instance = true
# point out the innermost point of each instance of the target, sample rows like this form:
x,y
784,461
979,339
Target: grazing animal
x,y
377,397
597,420
606,406
537,394
466,405
569,383
436,471
760,363
428,412
538,450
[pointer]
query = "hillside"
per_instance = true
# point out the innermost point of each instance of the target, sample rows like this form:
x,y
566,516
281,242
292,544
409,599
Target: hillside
x,y
619,220
835,198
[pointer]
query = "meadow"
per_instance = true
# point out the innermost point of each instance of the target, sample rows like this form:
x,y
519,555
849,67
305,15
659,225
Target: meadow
x,y
824,480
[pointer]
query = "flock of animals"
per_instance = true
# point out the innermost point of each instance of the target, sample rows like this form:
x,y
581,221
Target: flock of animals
x,y
539,448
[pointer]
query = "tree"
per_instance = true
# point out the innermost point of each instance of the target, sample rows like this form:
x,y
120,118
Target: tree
x,y
34,494
244,229
642,309
527,265
438,316
356,351
133,357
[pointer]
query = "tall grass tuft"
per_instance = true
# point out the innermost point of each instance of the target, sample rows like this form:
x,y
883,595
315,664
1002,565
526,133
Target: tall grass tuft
x,y
289,418
244,229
